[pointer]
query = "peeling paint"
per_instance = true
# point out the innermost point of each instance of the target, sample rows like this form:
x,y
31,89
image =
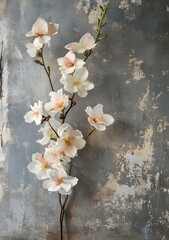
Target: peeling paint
x,y
138,73
125,4
93,224
144,100
94,13
162,125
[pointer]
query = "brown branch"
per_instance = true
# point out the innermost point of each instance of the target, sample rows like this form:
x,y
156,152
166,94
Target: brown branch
x,y
89,134
46,70
101,24
72,104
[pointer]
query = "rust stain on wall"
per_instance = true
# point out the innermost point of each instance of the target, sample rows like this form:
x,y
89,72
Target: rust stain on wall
x,y
3,6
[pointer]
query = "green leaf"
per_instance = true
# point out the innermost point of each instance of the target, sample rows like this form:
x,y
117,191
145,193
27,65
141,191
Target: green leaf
x,y
101,7
105,8
98,21
103,37
38,54
38,62
48,70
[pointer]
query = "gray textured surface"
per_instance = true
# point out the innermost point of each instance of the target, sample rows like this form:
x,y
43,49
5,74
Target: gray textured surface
x,y
123,190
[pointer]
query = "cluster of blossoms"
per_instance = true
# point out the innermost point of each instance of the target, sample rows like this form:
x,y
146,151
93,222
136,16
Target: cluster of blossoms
x,y
61,140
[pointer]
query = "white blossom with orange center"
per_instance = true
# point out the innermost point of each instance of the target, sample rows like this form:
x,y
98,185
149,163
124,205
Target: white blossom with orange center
x,y
58,102
77,82
35,114
59,181
48,131
39,166
70,140
55,155
87,42
69,63
43,30
33,48
97,118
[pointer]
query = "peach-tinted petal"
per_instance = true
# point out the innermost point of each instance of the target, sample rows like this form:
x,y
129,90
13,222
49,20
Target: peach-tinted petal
x,y
40,27
71,56
72,46
52,28
29,34
44,39
29,117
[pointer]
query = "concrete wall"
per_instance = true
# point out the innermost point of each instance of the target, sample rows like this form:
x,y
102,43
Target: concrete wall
x,y
123,190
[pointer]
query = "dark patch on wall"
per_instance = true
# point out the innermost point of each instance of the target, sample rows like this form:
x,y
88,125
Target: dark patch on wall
x,y
1,71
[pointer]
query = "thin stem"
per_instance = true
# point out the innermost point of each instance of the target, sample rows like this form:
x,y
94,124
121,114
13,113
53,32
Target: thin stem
x,y
53,129
47,120
72,104
62,208
100,26
89,134
46,70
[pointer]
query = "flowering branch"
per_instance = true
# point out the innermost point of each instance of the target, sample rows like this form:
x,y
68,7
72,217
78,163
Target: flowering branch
x,y
63,141
100,25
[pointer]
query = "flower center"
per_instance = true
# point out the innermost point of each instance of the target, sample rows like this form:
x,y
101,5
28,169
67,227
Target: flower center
x,y
97,119
45,165
58,105
58,181
51,135
76,83
36,113
70,64
68,141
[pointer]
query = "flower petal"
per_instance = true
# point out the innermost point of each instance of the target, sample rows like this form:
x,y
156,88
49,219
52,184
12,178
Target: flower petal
x,y
29,34
108,119
40,27
52,29
29,117
72,46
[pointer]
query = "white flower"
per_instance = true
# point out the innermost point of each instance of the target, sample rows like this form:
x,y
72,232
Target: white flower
x,y
77,82
58,102
32,48
70,140
73,47
39,166
69,63
48,132
97,118
55,154
87,42
43,30
60,182
35,114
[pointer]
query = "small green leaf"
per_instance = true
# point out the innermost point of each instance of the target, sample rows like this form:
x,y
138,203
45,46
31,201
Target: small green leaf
x,y
48,70
38,54
38,62
103,37
101,7
98,21
105,8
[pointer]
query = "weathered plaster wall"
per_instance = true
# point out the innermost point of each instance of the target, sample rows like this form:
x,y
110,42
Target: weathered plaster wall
x,y
123,191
